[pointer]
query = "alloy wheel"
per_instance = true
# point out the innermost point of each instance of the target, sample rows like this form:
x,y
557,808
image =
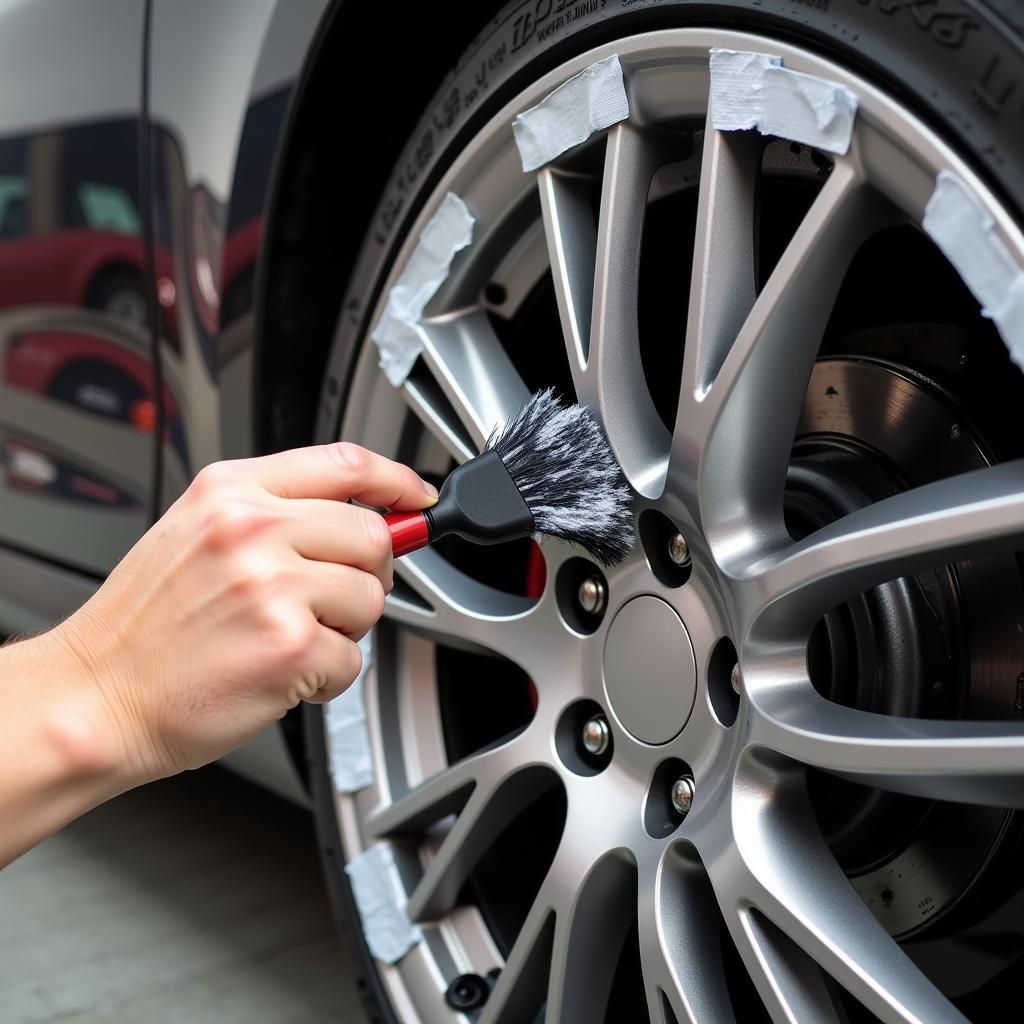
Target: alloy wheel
x,y
708,456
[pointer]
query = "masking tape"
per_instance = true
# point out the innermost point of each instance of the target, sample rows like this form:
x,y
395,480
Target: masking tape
x,y
380,900
348,739
961,227
754,90
588,102
397,333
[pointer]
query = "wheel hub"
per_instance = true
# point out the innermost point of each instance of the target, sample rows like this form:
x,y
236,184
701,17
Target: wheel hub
x,y
650,675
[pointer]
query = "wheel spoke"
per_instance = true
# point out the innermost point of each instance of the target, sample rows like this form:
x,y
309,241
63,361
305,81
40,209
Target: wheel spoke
x,y
442,602
615,383
600,328
486,791
939,522
723,284
786,872
424,398
446,792
970,762
488,811
568,948
682,965
592,917
571,234
790,984
478,382
522,983
743,428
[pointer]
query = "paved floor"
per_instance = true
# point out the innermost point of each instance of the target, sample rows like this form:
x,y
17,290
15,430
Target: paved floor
x,y
195,900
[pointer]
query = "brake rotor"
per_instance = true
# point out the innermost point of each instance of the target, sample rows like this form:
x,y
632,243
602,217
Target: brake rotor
x,y
943,644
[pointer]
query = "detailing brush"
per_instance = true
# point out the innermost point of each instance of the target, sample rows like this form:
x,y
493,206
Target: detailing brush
x,y
549,470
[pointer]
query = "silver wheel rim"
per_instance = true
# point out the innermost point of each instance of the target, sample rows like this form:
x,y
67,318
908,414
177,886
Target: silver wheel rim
x,y
749,847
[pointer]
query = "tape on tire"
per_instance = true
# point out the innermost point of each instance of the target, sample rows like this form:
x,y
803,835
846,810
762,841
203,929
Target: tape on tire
x,y
958,223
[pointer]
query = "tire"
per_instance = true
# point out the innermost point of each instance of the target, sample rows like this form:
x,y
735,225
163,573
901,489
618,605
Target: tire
x,y
118,292
959,68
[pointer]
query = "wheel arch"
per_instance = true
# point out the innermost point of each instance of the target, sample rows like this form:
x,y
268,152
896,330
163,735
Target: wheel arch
x,y
315,228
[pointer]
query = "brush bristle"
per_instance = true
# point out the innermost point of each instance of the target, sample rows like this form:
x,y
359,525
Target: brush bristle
x,y
564,468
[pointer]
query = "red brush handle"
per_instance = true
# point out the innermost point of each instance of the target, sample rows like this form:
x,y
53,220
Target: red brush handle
x,y
409,531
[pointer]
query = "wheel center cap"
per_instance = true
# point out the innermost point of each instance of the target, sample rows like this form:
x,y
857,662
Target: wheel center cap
x,y
650,675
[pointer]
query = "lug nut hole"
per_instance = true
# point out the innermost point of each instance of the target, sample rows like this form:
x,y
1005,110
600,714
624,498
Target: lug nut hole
x,y
725,681
583,738
666,548
669,798
582,592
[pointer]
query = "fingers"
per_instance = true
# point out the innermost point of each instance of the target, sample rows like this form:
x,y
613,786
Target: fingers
x,y
343,598
332,531
340,471
339,661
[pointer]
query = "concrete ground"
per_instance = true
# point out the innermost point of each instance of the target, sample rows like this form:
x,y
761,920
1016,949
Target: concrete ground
x,y
198,899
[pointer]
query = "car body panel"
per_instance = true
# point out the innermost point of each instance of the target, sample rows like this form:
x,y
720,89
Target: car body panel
x,y
216,132
75,468
79,399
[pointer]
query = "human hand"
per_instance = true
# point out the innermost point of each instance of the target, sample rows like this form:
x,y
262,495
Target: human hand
x,y
248,596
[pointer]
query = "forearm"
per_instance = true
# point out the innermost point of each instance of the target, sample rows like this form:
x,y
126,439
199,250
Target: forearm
x,y
250,595
60,752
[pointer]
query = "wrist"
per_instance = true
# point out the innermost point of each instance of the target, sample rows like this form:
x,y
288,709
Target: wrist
x,y
59,756
93,727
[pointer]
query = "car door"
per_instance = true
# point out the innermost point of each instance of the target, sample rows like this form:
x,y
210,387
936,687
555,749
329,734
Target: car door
x,y
77,395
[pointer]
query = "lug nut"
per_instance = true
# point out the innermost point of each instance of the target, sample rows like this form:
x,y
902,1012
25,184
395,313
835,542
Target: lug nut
x,y
682,795
678,550
592,596
596,736
734,677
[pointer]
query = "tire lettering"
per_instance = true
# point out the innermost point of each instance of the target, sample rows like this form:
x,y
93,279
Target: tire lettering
x,y
537,22
946,27
994,89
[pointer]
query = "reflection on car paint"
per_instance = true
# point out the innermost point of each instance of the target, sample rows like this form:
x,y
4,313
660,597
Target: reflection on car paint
x,y
31,470
94,375
86,469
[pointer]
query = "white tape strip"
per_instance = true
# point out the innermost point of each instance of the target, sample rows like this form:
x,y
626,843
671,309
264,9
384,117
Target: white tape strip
x,y
348,740
381,903
588,102
397,334
961,227
754,90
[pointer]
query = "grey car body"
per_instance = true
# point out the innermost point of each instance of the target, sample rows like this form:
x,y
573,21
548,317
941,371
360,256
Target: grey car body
x,y
138,148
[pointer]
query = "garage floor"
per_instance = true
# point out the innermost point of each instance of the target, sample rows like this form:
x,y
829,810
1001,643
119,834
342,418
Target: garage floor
x,y
198,899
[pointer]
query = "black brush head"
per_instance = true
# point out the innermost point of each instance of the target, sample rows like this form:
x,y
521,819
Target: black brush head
x,y
563,466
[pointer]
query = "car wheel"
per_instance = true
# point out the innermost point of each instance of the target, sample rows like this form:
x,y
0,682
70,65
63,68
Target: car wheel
x,y
767,769
119,293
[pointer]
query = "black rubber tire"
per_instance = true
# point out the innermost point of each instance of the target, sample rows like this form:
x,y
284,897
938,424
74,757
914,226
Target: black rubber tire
x,y
112,281
958,64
